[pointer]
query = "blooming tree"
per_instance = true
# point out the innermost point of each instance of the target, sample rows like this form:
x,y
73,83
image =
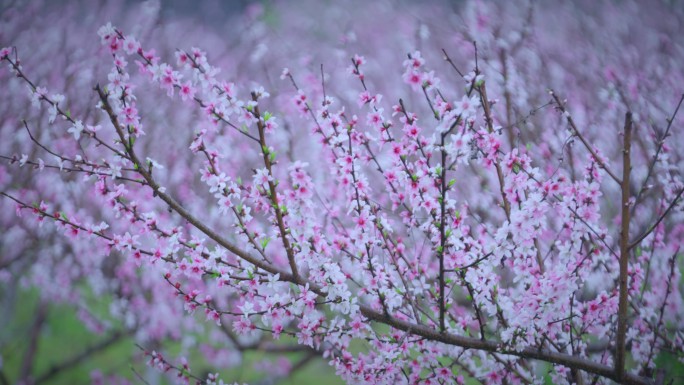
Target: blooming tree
x,y
494,208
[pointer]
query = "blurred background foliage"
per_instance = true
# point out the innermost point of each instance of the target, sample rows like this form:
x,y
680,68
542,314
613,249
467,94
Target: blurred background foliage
x,y
67,353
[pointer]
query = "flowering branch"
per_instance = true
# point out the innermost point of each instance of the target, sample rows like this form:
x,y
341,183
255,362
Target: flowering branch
x,y
394,263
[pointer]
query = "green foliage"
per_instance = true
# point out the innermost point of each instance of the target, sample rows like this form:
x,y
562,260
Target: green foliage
x,y
63,336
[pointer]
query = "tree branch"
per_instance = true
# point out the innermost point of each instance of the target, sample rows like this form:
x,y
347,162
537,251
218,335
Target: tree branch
x,y
490,346
657,222
659,147
177,207
584,141
623,303
77,359
34,338
419,330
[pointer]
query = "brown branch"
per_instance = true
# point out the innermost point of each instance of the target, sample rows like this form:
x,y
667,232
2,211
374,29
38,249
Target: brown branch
x,y
507,97
303,362
490,127
140,377
623,303
442,238
178,208
273,194
645,368
34,339
499,171
453,65
86,354
37,165
660,219
659,146
584,141
491,346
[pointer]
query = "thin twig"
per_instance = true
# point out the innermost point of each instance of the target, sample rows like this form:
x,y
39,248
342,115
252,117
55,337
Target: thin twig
x,y
33,340
659,146
660,219
584,141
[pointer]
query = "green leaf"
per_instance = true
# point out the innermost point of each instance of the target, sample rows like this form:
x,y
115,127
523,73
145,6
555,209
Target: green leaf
x,y
452,182
267,116
265,242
